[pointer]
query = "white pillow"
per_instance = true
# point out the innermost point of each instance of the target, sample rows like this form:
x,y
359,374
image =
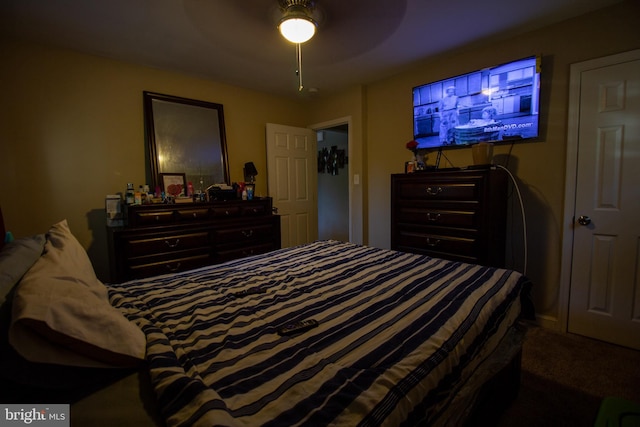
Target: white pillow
x,y
62,315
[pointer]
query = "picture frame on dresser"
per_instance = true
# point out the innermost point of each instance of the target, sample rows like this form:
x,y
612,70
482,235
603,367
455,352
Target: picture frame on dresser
x,y
409,167
173,184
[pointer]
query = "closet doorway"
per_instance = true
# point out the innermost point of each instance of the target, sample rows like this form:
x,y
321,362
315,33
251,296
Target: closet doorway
x,y
601,251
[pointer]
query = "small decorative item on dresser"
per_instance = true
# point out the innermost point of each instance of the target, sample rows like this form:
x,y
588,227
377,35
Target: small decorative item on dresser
x,y
113,207
250,190
413,147
482,153
173,184
412,165
183,199
129,194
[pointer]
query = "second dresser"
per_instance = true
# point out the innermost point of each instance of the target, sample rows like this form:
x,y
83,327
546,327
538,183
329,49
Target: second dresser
x,y
452,214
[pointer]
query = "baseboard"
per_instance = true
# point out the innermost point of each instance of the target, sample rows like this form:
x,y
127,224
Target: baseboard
x,y
550,322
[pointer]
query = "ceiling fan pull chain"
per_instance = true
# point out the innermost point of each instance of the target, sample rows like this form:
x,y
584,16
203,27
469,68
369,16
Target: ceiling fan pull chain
x,y
299,69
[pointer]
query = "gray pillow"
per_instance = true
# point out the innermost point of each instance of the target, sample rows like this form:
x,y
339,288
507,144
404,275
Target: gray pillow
x,y
16,258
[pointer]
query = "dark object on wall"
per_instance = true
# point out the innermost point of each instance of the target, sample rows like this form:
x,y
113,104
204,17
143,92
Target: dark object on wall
x,y
330,161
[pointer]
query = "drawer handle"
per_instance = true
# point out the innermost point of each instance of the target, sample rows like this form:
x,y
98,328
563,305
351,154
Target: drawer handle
x,y
248,253
172,245
432,242
195,215
173,269
247,233
433,217
226,212
432,192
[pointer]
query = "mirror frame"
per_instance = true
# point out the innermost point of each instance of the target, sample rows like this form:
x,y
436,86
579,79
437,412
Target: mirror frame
x,y
150,131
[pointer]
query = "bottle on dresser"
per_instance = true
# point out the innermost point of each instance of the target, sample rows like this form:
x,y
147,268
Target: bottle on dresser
x,y
130,196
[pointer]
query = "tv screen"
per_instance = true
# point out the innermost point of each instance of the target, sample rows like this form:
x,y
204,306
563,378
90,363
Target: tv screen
x,y
497,104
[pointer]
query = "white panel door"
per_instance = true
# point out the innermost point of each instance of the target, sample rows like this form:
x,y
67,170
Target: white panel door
x,y
605,274
292,177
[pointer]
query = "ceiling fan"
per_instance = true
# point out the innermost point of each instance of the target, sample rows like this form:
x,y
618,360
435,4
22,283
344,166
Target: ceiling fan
x,y
343,30
298,26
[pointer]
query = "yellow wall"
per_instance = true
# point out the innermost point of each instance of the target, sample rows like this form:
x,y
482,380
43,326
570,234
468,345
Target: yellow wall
x,y
71,130
539,167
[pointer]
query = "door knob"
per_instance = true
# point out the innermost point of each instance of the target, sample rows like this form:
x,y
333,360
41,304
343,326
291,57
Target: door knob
x,y
584,220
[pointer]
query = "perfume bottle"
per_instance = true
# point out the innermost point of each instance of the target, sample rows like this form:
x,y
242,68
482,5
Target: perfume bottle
x,y
129,194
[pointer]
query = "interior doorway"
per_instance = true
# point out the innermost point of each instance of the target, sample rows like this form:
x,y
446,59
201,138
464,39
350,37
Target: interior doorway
x,y
289,181
333,183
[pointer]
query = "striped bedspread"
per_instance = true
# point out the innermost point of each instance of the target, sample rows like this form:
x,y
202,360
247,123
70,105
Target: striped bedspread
x,y
398,334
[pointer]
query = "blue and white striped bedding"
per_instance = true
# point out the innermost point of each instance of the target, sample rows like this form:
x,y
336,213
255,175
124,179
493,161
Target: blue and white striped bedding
x,y
398,334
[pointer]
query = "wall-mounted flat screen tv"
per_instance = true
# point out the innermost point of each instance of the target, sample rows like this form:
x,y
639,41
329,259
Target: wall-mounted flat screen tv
x,y
497,104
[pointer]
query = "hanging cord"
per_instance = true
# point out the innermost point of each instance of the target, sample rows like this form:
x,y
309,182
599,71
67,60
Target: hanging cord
x,y
447,159
509,155
299,66
524,220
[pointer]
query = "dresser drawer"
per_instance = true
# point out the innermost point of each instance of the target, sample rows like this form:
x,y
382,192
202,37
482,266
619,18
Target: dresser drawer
x,y
246,208
135,247
242,234
255,209
150,217
174,265
437,244
244,251
193,214
437,217
226,211
439,189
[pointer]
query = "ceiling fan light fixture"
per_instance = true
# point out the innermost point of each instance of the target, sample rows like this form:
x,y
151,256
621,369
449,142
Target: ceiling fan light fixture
x,y
297,24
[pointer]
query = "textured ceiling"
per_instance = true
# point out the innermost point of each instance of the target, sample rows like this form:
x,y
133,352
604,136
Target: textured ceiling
x,y
236,41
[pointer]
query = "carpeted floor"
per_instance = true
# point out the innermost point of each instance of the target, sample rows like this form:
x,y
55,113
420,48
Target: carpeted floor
x,y
566,376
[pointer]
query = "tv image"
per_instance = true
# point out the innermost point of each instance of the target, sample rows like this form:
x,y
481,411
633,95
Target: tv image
x,y
497,104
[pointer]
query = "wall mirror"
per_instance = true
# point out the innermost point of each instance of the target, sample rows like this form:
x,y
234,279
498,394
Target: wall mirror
x,y
185,136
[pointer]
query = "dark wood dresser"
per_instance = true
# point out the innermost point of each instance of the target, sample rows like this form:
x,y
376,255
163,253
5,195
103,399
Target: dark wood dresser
x,y
161,239
452,214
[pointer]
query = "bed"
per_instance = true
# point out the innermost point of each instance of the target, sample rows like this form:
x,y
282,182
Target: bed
x,y
400,339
